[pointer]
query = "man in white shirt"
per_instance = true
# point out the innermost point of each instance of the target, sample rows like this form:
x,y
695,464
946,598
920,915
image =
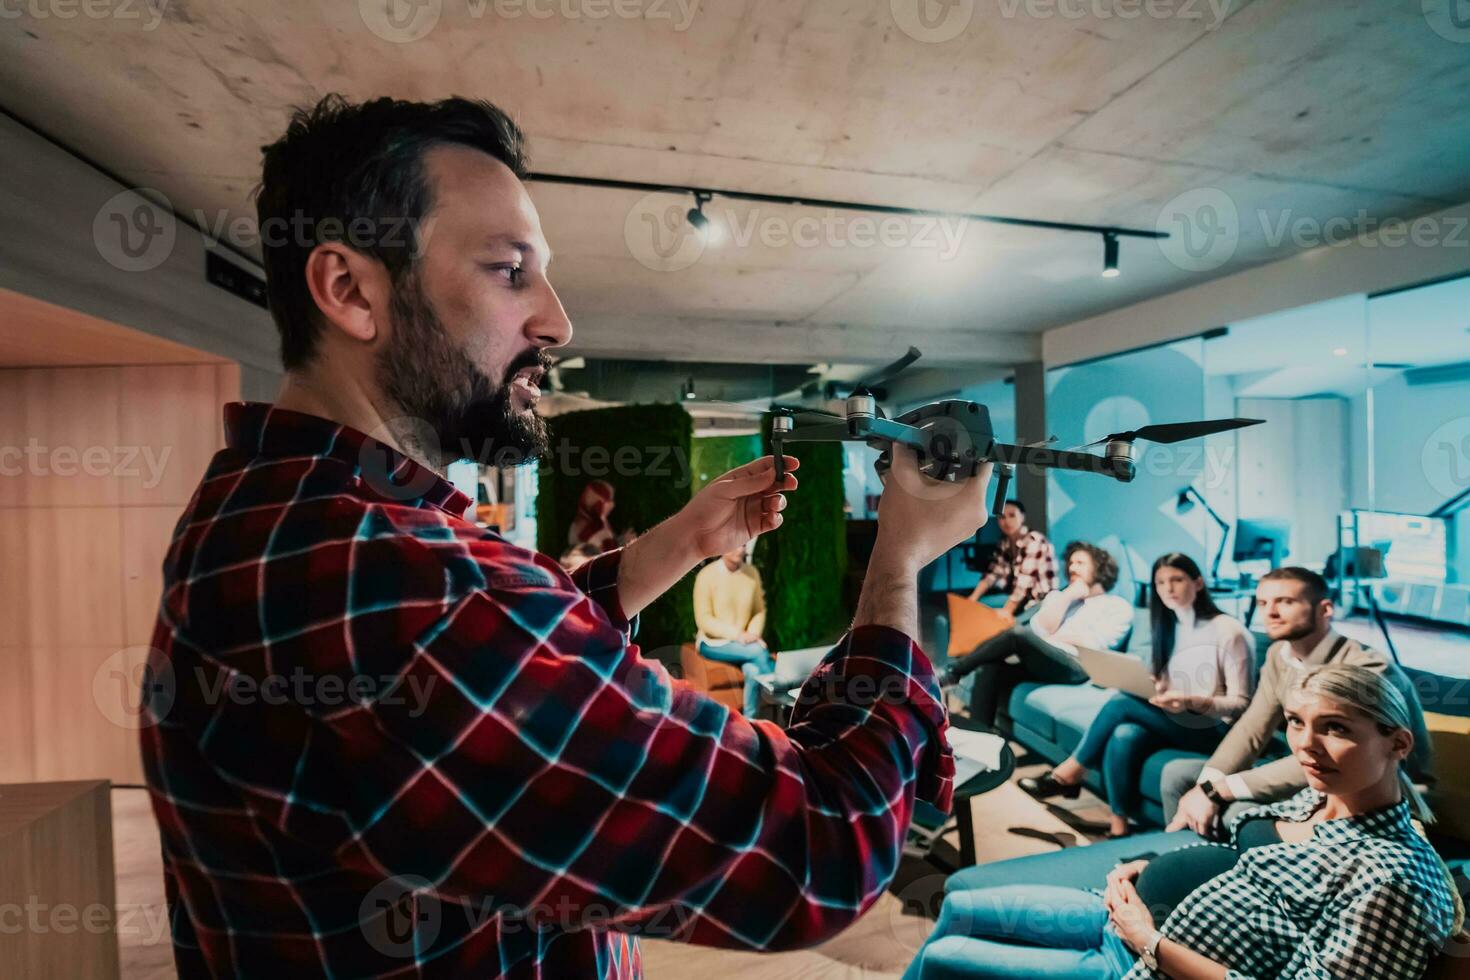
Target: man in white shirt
x,y
1082,614
1297,611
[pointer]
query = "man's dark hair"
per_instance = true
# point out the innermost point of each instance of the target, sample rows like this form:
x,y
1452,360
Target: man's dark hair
x,y
342,166
1315,586
1018,505
1107,565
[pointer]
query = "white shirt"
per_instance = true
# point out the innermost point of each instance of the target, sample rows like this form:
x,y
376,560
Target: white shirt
x,y
1098,622
1213,658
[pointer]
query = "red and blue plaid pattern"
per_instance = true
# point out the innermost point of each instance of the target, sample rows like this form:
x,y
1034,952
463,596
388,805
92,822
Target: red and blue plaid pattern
x,y
384,742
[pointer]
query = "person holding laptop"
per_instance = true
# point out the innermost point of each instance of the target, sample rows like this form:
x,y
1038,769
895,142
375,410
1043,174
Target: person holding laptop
x,y
1082,614
1203,679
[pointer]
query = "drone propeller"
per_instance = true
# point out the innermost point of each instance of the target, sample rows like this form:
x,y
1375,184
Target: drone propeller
x,y
1170,432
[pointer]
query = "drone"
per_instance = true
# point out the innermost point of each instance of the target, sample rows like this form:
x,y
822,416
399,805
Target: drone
x,y
953,438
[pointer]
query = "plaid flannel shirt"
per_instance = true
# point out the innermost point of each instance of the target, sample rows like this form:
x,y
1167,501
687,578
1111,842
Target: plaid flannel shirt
x,y
383,742
1026,567
1363,897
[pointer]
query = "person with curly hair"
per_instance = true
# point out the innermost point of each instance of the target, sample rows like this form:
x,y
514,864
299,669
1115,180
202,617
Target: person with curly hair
x,y
1085,613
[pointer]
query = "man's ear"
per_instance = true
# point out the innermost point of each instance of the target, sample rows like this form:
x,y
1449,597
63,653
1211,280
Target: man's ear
x,y
1325,608
350,289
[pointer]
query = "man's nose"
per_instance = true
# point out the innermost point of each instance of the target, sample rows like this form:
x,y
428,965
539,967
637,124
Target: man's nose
x,y
549,325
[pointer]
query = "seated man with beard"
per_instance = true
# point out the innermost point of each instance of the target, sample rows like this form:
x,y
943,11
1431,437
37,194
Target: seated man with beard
x,y
382,741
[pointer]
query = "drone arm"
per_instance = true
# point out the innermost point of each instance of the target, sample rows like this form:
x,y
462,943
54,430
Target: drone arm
x,y
1040,456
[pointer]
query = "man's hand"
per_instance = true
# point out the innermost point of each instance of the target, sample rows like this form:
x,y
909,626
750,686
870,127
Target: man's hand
x,y
723,516
919,519
1008,618
1197,812
981,587
746,636
734,508
1076,589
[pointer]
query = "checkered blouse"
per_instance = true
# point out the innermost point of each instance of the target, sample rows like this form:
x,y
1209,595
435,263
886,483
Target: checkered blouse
x,y
1363,897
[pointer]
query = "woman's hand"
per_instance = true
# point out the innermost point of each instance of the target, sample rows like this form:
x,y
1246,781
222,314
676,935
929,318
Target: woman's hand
x,y
1127,872
736,507
1129,916
1176,703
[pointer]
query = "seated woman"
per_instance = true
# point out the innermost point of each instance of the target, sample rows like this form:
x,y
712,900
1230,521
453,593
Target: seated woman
x,y
1344,886
1085,613
1204,673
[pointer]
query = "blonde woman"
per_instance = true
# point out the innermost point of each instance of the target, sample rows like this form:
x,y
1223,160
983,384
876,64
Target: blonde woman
x,y
1335,882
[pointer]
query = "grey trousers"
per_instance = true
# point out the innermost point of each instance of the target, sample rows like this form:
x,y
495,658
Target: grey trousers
x,y
1178,778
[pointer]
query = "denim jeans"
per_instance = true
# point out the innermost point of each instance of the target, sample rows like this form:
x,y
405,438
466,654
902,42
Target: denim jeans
x,y
754,660
1028,932
996,679
1127,731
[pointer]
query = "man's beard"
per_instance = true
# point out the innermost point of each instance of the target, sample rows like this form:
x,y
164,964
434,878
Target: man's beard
x,y
452,409
1306,629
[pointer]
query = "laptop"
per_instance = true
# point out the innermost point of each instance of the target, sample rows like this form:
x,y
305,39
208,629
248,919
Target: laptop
x,y
1118,671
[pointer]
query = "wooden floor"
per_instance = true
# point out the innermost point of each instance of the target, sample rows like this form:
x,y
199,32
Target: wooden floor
x,y
880,945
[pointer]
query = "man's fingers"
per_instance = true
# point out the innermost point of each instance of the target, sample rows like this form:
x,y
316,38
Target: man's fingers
x,y
1176,824
758,475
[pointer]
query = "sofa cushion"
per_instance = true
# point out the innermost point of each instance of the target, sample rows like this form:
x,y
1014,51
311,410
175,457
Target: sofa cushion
x,y
1059,712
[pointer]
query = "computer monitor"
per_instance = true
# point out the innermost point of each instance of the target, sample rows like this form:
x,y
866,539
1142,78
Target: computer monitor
x,y
1260,538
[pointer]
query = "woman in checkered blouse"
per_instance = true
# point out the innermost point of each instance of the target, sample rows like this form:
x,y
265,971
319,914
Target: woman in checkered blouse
x,y
1335,882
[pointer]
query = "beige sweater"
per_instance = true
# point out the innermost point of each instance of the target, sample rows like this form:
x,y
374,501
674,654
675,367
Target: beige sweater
x,y
727,603
1249,736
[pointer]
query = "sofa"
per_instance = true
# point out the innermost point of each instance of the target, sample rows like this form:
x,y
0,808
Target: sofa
x,y
1050,719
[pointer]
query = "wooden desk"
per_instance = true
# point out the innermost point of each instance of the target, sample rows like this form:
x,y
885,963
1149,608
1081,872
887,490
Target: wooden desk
x,y
57,886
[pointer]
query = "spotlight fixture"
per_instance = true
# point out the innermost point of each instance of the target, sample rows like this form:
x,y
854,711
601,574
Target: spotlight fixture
x,y
696,215
1110,255
688,388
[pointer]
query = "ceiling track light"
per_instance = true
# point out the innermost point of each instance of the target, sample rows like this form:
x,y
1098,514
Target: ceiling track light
x,y
696,215
702,194
687,389
1110,255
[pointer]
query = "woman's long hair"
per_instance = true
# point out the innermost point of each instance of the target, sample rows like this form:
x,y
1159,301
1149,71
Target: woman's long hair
x,y
1162,617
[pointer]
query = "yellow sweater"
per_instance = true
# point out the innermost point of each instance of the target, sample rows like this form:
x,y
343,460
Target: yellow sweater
x,y
727,603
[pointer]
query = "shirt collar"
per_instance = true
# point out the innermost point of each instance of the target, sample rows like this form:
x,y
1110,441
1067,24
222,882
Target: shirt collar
x,y
261,429
1390,821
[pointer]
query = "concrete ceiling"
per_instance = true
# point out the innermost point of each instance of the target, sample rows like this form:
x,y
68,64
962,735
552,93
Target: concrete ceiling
x,y
1066,110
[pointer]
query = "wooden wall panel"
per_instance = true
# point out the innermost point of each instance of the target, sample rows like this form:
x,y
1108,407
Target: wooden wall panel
x,y
168,413
81,553
86,710
146,532
72,416
75,567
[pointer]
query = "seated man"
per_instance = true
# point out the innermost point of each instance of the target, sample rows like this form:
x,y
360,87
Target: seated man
x,y
730,611
1297,614
1082,614
1025,566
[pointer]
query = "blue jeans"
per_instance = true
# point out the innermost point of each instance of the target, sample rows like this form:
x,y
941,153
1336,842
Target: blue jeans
x,y
753,659
1127,731
1031,932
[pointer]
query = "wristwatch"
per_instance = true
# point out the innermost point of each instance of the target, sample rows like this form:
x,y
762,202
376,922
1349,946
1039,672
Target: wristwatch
x,y
1208,788
1150,953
